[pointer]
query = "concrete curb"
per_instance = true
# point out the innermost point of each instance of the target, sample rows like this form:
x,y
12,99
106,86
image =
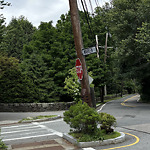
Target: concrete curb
x,y
94,143
40,120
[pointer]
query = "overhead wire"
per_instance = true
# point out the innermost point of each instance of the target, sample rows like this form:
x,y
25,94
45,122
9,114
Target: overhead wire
x,y
79,4
91,8
87,15
96,3
85,6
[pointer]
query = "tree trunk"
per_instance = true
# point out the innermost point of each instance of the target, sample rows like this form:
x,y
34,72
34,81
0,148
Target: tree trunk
x,y
102,94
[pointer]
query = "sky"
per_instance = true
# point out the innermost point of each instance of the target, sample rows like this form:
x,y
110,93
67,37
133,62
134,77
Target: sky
x,y
40,10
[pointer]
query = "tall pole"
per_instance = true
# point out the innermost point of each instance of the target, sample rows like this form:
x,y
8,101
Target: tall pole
x,y
106,47
97,46
105,87
85,93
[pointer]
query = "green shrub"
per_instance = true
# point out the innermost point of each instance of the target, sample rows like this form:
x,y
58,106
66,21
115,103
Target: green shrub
x,y
85,137
2,145
107,121
72,86
82,118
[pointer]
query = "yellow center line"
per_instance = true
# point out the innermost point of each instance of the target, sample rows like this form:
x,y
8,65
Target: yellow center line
x,y
123,103
137,140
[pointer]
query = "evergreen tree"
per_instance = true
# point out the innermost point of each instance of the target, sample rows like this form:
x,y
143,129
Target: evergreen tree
x,y
17,33
46,63
14,86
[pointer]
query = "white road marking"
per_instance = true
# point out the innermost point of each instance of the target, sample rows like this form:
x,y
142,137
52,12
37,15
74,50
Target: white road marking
x,y
26,128
101,108
48,129
90,148
9,127
50,121
15,131
21,138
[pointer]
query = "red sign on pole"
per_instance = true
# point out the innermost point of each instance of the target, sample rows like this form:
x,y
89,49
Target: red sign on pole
x,y
79,69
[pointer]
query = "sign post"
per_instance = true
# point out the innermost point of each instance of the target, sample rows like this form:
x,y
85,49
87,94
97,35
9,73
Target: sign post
x,y
85,92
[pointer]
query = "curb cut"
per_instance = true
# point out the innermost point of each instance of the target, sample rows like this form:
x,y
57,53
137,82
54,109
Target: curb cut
x,y
94,143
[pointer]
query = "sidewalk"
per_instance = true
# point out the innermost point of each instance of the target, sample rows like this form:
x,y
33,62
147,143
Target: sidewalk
x,y
12,118
56,144
9,118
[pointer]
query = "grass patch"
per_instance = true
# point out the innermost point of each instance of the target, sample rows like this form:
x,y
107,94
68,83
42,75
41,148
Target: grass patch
x,y
37,117
97,136
108,100
111,135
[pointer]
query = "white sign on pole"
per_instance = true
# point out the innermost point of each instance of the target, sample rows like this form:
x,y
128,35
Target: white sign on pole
x,y
89,51
90,80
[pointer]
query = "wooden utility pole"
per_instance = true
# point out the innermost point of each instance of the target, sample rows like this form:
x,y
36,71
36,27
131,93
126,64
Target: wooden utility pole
x,y
104,89
97,46
106,48
85,93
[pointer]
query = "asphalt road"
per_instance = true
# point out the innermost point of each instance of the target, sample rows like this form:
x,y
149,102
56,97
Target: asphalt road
x,y
132,118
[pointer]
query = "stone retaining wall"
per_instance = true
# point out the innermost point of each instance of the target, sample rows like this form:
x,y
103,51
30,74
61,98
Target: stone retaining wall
x,y
34,107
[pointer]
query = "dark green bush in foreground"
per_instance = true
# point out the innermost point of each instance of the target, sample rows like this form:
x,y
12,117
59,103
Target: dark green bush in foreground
x,y
107,121
2,145
82,118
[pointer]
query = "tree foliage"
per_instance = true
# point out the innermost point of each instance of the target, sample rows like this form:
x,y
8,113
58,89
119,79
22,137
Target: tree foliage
x,y
3,3
48,53
129,24
82,118
72,86
17,33
14,86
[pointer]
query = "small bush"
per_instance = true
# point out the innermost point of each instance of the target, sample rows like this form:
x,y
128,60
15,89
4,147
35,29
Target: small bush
x,y
2,145
107,121
85,137
82,118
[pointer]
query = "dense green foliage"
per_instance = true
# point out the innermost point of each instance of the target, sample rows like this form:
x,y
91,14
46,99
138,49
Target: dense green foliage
x,y
19,32
2,145
99,135
82,118
45,61
107,121
14,86
129,24
47,54
72,85
84,122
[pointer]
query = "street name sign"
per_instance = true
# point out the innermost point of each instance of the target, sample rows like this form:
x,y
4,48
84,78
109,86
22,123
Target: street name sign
x,y
89,51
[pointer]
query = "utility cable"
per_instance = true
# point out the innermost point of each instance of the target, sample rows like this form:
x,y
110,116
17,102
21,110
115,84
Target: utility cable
x,y
87,18
91,8
96,3
79,4
86,6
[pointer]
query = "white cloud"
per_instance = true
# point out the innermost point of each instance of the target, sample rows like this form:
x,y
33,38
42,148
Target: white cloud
x,y
37,10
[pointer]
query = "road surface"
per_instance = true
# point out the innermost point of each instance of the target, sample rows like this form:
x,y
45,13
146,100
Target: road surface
x,y
132,119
